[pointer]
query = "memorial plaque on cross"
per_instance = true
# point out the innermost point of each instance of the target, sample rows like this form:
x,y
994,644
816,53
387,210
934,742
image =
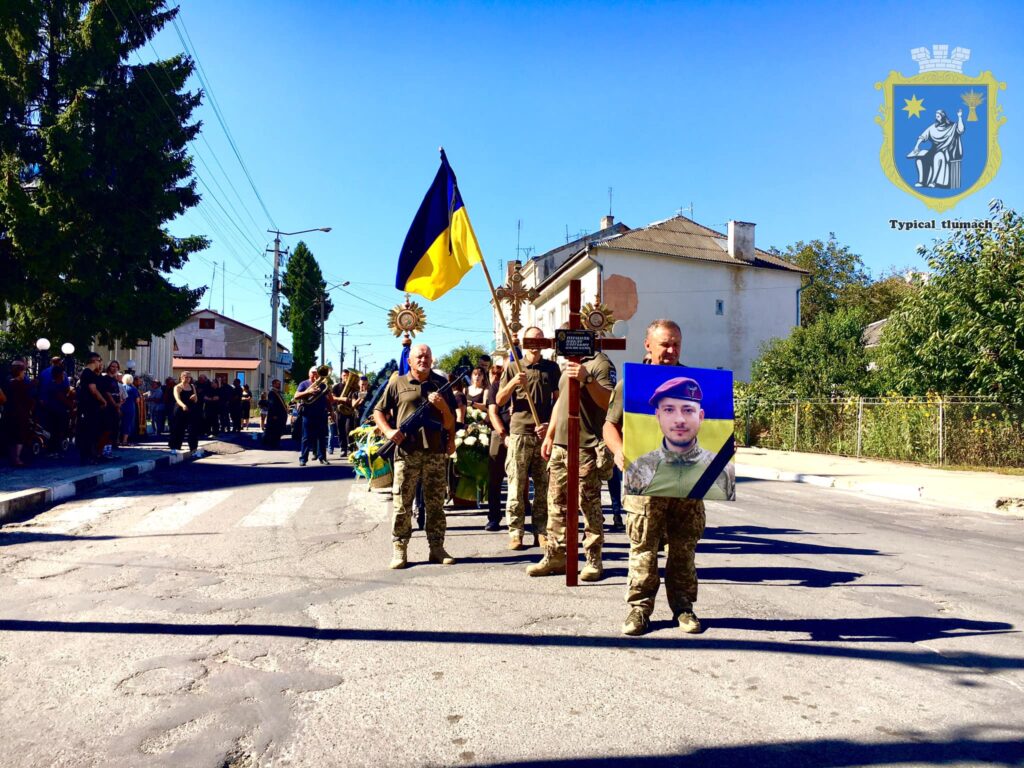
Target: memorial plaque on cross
x,y
575,342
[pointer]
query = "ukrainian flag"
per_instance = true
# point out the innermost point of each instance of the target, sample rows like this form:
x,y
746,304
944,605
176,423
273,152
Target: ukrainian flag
x,y
441,246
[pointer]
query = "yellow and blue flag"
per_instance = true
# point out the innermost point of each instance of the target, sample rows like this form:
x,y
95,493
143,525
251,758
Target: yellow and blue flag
x,y
441,246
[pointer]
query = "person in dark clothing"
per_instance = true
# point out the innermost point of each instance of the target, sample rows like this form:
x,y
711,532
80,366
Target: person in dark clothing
x,y
188,414
277,416
500,419
54,403
314,404
16,423
91,405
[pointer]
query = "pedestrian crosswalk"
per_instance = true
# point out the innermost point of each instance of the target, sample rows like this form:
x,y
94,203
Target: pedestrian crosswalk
x,y
144,514
182,512
70,518
278,508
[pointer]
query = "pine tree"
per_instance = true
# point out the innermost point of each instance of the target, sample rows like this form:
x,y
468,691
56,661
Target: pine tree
x,y
302,286
93,164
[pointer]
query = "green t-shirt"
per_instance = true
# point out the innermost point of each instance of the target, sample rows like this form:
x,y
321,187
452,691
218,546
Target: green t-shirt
x,y
542,383
591,414
402,396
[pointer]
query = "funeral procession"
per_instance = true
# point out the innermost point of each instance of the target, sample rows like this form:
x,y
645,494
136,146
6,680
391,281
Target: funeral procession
x,y
463,384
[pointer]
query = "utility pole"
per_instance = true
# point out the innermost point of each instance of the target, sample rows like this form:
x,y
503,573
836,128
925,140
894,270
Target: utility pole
x,y
275,301
341,357
275,289
323,333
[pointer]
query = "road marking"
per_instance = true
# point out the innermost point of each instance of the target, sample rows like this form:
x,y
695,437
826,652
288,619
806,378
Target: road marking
x,y
278,507
182,512
75,517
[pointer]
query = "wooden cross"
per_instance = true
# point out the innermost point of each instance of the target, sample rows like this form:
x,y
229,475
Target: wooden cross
x,y
572,503
516,295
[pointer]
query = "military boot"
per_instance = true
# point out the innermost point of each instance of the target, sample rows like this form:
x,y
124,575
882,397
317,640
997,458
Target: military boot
x,y
688,622
617,524
593,570
552,564
636,622
400,557
515,540
439,556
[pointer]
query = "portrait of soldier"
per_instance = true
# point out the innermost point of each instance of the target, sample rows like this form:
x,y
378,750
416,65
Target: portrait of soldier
x,y
674,468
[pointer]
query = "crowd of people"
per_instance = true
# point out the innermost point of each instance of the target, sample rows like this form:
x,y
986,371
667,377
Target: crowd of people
x,y
103,409
529,443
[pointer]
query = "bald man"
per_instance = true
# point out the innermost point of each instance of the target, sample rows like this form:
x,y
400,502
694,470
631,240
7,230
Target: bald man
x,y
421,456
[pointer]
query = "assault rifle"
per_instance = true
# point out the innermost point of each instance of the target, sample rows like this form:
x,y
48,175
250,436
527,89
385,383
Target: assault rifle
x,y
421,417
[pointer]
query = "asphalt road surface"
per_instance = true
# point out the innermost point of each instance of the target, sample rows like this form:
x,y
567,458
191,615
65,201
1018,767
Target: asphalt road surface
x,y
239,612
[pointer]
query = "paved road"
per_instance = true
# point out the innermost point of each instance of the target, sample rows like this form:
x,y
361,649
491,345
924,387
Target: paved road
x,y
238,612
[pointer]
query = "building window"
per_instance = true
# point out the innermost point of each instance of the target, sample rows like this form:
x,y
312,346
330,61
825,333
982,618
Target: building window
x,y
199,347
719,307
206,323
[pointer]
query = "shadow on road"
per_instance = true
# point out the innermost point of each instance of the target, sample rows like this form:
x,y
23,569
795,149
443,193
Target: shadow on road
x,y
823,753
751,540
963,661
883,629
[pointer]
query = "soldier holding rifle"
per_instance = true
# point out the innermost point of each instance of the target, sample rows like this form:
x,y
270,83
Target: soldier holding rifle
x,y
421,455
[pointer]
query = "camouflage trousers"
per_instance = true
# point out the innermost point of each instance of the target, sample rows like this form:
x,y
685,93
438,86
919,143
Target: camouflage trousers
x,y
410,469
590,500
680,523
523,462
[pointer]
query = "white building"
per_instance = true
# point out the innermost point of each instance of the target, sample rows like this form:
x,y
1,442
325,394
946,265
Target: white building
x,y
728,297
207,343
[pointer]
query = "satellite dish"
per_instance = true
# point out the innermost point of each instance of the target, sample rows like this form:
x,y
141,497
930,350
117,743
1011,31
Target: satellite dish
x,y
620,328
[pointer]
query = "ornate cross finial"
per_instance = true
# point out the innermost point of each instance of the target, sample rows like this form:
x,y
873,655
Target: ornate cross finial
x,y
408,318
516,295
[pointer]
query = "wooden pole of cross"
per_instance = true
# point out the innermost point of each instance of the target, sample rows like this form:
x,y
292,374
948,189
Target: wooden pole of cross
x,y
570,345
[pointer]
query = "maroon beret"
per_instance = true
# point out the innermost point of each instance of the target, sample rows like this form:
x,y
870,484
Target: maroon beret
x,y
681,388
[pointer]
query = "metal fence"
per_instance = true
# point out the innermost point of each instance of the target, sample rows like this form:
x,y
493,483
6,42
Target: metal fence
x,y
962,431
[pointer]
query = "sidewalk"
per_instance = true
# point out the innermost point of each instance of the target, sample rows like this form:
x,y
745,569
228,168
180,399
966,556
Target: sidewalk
x,y
51,480
978,491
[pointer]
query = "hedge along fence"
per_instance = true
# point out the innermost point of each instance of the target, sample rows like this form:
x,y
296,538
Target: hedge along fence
x,y
969,431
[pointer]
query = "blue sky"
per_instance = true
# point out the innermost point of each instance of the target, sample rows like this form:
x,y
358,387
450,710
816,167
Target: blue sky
x,y
762,112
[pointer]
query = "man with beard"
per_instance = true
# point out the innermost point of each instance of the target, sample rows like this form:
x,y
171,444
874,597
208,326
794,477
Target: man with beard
x,y
934,163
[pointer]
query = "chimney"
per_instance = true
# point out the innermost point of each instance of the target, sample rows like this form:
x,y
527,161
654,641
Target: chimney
x,y
607,221
741,241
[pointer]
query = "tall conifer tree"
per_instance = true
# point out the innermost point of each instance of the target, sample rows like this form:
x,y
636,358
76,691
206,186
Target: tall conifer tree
x,y
93,164
302,285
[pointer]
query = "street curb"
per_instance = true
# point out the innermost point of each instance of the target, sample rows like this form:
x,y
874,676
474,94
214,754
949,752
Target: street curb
x,y
900,491
19,503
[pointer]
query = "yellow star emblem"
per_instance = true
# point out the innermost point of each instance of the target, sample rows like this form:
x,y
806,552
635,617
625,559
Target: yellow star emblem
x,y
915,106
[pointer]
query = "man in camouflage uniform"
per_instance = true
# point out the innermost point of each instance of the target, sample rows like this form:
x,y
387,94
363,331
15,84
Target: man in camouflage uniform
x,y
597,378
651,519
538,382
420,457
676,466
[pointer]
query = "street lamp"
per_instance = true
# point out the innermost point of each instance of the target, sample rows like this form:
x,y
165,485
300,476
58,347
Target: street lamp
x,y
69,361
355,353
275,294
323,333
341,362
43,345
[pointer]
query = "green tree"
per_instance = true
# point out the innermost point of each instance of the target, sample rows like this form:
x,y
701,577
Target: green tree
x,y
962,332
464,354
824,359
836,277
93,163
302,286
882,296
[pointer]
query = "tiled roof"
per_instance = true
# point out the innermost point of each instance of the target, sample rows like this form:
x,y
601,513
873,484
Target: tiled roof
x,y
684,238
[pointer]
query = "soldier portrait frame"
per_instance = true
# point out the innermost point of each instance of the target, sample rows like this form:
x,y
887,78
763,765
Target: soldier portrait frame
x,y
678,432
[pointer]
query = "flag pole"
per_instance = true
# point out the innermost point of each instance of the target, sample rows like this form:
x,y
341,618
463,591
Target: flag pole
x,y
508,337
